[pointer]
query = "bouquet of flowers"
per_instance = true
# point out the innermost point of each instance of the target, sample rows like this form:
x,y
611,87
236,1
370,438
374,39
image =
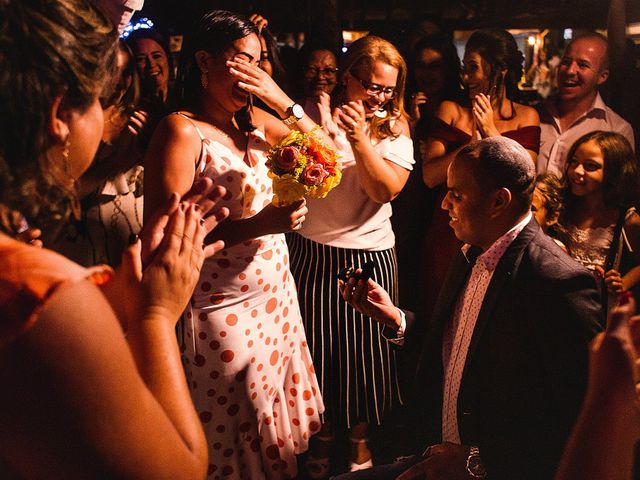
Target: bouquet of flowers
x,y
302,165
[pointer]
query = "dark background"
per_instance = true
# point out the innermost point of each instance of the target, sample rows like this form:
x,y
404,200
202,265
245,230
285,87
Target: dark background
x,y
379,15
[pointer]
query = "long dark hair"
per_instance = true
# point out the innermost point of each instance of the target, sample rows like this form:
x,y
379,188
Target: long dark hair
x,y
48,49
452,87
214,32
621,175
499,49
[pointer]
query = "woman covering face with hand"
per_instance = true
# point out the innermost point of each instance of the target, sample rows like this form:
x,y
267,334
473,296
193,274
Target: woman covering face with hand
x,y
115,407
347,229
247,360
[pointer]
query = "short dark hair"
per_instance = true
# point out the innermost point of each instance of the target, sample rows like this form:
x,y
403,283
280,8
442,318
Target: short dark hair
x,y
621,176
499,162
48,49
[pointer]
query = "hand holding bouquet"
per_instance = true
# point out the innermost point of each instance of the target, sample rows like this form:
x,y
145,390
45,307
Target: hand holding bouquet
x,y
301,165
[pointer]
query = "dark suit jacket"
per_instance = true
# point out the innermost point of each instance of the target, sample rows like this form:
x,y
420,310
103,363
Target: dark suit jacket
x,y
526,370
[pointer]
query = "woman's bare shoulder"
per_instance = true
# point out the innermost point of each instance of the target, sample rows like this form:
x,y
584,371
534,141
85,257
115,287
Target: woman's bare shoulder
x,y
526,115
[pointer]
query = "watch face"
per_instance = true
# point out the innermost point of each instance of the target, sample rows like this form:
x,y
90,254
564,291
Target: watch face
x,y
297,111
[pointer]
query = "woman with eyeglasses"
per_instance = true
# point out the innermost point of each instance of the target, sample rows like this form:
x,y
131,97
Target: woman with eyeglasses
x,y
351,227
492,67
318,75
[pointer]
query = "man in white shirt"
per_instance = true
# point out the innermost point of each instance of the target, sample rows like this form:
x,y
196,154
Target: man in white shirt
x,y
504,360
578,108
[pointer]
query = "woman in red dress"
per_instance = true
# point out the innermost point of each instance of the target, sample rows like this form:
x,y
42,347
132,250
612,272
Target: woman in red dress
x,y
492,67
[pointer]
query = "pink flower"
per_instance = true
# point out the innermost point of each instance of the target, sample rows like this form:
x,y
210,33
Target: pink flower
x,y
314,175
287,159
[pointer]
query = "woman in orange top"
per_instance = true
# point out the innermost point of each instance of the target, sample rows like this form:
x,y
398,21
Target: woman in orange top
x,y
80,399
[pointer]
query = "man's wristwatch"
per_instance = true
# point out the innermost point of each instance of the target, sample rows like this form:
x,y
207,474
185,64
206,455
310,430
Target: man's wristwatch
x,y
474,464
293,114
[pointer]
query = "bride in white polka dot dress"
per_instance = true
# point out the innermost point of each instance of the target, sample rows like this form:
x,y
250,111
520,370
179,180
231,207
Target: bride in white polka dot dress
x,y
247,362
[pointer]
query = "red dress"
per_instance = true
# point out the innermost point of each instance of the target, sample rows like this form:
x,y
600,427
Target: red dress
x,y
440,243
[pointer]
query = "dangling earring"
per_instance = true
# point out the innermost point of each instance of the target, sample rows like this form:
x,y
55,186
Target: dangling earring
x,y
204,80
381,113
72,187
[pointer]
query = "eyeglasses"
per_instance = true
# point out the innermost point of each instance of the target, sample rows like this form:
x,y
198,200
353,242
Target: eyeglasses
x,y
313,71
375,89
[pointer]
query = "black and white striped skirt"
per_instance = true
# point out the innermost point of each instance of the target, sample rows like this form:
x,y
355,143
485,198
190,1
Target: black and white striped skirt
x,y
355,365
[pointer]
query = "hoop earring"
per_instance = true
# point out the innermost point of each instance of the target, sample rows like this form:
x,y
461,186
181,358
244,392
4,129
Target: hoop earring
x,y
204,80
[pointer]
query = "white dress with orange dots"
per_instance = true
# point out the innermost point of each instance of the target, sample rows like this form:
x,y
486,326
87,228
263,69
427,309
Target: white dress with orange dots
x,y
247,360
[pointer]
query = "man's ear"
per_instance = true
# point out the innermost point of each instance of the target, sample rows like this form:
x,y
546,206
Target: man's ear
x,y
501,200
58,121
602,76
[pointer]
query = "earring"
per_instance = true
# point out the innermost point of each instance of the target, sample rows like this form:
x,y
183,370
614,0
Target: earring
x,y
204,80
381,113
73,190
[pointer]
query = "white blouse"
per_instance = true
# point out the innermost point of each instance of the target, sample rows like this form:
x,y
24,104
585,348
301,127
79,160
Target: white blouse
x,y
347,217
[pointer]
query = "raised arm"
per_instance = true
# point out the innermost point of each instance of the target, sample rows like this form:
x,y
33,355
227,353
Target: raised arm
x,y
259,83
381,179
79,402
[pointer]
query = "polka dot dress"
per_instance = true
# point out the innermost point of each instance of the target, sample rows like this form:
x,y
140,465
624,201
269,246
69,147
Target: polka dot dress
x,y
247,360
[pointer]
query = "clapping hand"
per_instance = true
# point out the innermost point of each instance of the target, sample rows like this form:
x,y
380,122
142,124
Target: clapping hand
x,y
137,121
483,116
259,21
417,99
351,118
205,195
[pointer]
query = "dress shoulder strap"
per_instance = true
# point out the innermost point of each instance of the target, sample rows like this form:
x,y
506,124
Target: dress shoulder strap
x,y
191,122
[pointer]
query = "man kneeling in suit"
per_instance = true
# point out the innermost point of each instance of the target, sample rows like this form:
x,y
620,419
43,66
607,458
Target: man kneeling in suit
x,y
503,368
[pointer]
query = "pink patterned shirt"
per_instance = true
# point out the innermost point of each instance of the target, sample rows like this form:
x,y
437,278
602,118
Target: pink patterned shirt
x,y
458,332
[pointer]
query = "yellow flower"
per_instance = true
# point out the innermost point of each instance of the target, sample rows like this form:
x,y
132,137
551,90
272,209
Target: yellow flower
x,y
325,187
286,189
